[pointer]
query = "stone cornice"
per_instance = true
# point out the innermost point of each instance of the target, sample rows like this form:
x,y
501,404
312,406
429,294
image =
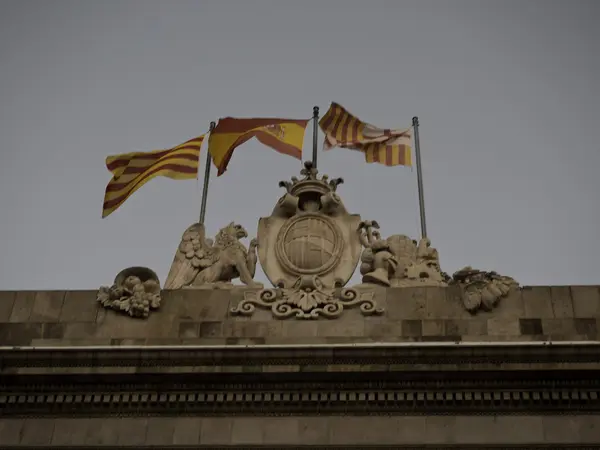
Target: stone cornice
x,y
425,356
326,447
251,395
329,380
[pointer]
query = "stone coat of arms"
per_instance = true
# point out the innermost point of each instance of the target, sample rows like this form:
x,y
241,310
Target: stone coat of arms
x,y
309,248
309,234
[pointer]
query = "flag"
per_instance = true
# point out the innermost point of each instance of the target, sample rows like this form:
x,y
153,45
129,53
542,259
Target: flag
x,y
132,170
282,135
385,146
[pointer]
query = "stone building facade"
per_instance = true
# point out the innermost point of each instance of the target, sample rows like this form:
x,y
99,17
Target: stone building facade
x,y
412,358
427,373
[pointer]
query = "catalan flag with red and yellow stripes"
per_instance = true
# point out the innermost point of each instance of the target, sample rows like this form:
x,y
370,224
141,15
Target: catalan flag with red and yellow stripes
x,y
384,146
132,170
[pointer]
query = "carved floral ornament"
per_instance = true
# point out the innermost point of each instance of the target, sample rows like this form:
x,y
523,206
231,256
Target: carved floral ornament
x,y
309,248
135,291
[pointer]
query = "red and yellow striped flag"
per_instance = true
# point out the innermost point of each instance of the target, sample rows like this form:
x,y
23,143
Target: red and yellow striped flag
x,y
282,135
385,146
132,170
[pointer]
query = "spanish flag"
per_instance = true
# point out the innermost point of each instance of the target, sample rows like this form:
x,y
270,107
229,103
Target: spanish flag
x,y
282,135
132,170
384,146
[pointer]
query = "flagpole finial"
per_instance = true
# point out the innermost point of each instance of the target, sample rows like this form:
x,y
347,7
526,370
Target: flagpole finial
x,y
315,111
416,121
213,125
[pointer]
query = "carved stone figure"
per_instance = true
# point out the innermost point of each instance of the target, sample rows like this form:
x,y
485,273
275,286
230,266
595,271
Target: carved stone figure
x,y
398,261
482,290
135,291
201,263
378,264
309,248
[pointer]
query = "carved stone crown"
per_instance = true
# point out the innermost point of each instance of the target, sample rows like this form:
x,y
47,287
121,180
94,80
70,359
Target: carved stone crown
x,y
311,182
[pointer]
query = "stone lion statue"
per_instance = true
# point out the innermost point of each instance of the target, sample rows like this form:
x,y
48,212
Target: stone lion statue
x,y
200,262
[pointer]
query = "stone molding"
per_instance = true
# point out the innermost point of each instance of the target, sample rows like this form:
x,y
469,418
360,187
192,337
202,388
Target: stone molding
x,y
318,380
263,394
322,447
435,355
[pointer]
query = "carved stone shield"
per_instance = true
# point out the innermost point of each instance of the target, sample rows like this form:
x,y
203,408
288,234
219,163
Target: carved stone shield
x,y
309,233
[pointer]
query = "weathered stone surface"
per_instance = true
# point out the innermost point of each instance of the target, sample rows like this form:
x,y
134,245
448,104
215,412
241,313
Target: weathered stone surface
x,y
7,300
10,431
558,328
561,429
503,326
586,327
216,430
132,432
37,432
295,329
187,431
409,303
586,301
293,430
589,429
79,306
281,430
562,305
70,431
378,329
103,432
411,430
19,334
160,430
47,306
531,326
201,317
433,327
537,301
247,430
22,307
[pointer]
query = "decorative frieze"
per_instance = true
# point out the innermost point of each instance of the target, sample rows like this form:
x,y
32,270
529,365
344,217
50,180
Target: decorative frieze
x,y
261,394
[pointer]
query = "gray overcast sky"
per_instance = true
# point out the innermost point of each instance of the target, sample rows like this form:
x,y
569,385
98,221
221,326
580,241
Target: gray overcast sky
x,y
507,93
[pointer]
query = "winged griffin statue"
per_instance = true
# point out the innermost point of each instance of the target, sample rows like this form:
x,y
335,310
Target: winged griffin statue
x,y
201,262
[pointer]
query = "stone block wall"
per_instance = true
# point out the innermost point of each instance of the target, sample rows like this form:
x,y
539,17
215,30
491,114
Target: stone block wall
x,y
477,432
202,317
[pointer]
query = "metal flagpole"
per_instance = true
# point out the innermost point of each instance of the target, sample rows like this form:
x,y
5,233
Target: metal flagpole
x,y
315,135
415,122
206,180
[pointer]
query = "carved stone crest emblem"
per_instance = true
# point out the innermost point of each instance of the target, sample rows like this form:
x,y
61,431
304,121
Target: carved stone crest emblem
x,y
309,248
309,233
